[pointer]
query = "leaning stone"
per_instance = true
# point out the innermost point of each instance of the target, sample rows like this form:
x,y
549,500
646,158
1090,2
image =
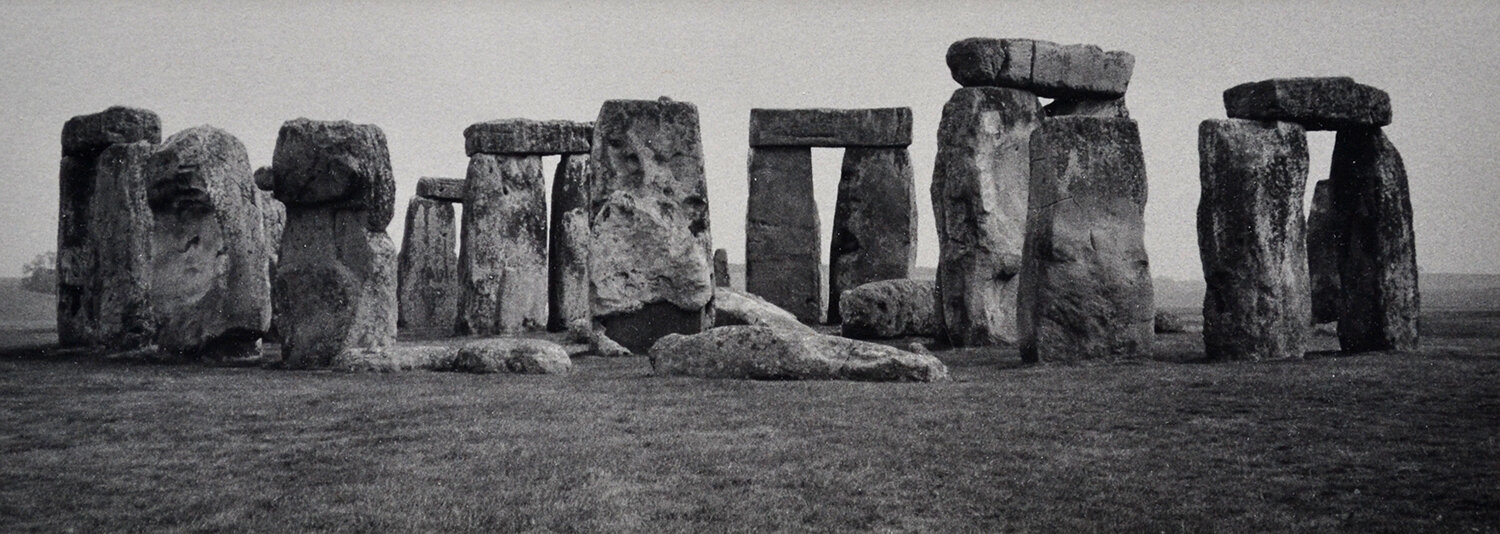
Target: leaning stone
x,y
1251,239
1323,233
1378,255
721,268
782,232
85,136
1333,103
1085,280
518,356
732,307
823,127
119,227
1113,108
526,136
767,353
979,202
443,189
890,308
1051,70
649,262
335,165
211,288
502,265
568,247
874,222
427,268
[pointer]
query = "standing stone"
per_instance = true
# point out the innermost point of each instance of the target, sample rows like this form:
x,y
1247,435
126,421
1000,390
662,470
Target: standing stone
x,y
335,287
721,268
273,222
782,232
568,250
1323,254
210,286
650,257
1251,239
1377,253
119,226
502,265
427,268
979,192
1085,279
874,222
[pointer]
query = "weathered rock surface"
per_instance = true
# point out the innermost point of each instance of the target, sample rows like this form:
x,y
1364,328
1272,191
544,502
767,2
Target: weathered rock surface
x,y
979,189
1252,239
782,232
721,268
1332,103
1378,255
1051,70
733,307
427,268
874,222
518,356
210,279
273,222
1323,231
568,249
335,165
502,265
265,180
890,308
443,189
1085,280
649,262
526,136
85,136
823,127
1169,323
119,227
1112,108
767,353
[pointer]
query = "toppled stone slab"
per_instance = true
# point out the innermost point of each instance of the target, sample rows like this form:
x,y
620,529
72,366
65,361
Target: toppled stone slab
x,y
526,136
1381,304
783,235
733,307
502,263
767,353
1112,108
1323,238
1332,103
85,136
335,165
890,308
568,246
721,268
442,189
427,268
493,355
823,127
1051,70
874,222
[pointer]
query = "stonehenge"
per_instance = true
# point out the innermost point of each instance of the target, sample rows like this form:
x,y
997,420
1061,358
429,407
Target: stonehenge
x,y
890,308
1323,254
568,249
1380,303
427,267
769,353
721,268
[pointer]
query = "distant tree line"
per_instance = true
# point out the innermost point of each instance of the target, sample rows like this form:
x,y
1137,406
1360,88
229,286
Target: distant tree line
x,y
41,274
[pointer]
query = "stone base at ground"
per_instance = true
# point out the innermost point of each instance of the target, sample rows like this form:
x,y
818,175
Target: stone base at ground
x,y
734,307
766,353
890,308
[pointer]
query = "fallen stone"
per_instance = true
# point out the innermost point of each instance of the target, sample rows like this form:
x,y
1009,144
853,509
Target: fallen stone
x,y
734,307
1252,240
442,189
335,165
427,268
874,222
782,232
1051,70
601,345
85,136
517,356
119,228
1169,323
721,268
1113,108
766,353
568,249
1323,233
1085,280
890,308
822,127
978,195
1381,304
1332,103
525,136
502,262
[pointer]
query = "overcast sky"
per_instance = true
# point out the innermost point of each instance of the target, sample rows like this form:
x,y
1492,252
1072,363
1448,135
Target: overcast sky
x,y
424,71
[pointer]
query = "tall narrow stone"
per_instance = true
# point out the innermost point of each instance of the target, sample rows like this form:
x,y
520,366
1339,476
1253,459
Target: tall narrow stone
x,y
210,286
427,268
874,222
1323,233
502,265
979,189
721,268
649,262
568,249
119,226
1085,278
782,232
273,221
1251,238
1377,253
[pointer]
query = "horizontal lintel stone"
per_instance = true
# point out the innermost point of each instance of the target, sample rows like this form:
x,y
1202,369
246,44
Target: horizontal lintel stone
x,y
526,136
1051,70
444,189
1329,103
823,127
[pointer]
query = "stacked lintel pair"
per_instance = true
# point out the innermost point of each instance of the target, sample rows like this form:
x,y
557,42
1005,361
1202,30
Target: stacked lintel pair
x,y
427,267
1040,210
1269,274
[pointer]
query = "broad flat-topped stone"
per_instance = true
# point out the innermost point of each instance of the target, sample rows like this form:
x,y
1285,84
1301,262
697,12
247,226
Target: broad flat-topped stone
x,y
444,189
823,127
87,135
526,136
1050,70
335,164
1332,103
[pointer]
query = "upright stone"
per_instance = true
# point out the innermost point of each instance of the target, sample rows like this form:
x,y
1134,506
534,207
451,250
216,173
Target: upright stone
x,y
782,232
874,222
335,287
119,226
1323,233
1251,239
721,268
427,268
502,263
1085,279
568,249
979,192
650,257
273,222
210,284
1377,253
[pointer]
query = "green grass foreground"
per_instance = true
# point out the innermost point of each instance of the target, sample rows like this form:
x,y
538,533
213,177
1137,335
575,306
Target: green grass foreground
x,y
1375,442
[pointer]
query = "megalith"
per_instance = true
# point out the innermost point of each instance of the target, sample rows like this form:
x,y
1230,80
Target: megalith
x,y
1323,233
1048,69
721,268
568,249
783,263
502,265
874,221
649,259
335,286
427,268
1251,239
120,229
1326,103
1085,279
1377,252
273,221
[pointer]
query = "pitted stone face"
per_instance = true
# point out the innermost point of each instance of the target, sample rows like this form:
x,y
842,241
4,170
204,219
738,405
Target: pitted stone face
x,y
526,136
442,189
335,164
1333,103
87,135
1051,70
819,127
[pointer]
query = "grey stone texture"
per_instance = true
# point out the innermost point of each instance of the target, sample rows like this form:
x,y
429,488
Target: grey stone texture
x,y
265,180
119,226
732,307
443,189
85,136
782,232
979,191
1332,103
568,249
273,223
1085,281
1110,108
1380,306
721,268
874,222
823,127
1051,70
502,262
649,261
427,268
515,356
1252,239
529,137
890,308
1323,237
335,165
767,353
